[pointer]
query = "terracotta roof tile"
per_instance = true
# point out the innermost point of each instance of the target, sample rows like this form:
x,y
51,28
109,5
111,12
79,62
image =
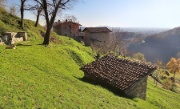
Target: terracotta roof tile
x,y
119,73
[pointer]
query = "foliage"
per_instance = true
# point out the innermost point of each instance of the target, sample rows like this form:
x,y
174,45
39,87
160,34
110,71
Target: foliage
x,y
139,56
174,65
167,84
159,64
176,87
166,79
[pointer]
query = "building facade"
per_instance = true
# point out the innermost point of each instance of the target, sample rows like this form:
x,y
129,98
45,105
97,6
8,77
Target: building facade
x,y
96,36
67,28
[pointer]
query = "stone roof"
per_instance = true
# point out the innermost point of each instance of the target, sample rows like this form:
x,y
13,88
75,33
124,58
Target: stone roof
x,y
97,29
119,73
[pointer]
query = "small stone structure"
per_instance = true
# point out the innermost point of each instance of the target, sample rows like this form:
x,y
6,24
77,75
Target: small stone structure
x,y
96,35
13,37
126,77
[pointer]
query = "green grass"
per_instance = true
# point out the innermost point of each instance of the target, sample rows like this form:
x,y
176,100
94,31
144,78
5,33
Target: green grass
x,y
33,76
164,77
10,23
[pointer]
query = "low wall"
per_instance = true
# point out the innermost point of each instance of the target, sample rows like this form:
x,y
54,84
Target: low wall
x,y
14,37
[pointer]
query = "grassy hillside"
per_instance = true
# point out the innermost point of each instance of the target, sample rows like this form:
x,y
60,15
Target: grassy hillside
x,y
10,23
34,76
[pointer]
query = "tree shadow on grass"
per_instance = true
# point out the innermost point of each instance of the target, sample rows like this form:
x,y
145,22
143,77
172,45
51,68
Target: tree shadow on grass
x,y
23,45
40,44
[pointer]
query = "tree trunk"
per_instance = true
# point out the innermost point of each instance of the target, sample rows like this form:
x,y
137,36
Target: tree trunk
x,y
38,15
22,16
50,21
174,77
37,20
47,36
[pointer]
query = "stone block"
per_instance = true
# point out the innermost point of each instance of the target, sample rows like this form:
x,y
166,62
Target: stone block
x,y
23,35
13,37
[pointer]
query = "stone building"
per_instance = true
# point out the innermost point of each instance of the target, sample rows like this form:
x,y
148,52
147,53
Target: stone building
x,y
67,28
96,35
126,77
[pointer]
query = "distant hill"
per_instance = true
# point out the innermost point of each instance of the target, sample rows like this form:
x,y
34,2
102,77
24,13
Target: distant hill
x,y
147,31
161,46
130,37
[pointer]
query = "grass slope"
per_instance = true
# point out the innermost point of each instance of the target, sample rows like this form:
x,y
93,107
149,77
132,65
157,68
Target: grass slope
x,y
34,76
11,23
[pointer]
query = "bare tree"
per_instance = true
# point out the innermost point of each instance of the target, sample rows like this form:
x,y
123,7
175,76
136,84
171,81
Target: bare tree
x,y
38,10
71,18
2,3
51,8
113,47
116,42
13,10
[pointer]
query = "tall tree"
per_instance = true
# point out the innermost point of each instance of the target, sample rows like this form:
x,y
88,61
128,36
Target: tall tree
x,y
39,10
22,8
50,9
174,66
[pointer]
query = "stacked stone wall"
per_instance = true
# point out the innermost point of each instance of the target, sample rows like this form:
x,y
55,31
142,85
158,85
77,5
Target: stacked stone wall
x,y
138,89
14,37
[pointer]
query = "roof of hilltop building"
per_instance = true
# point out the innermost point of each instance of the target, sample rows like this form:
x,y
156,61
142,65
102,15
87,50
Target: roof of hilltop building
x,y
97,29
119,73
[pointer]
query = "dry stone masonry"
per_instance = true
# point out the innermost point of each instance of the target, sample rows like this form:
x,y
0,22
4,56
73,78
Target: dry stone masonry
x,y
14,37
128,77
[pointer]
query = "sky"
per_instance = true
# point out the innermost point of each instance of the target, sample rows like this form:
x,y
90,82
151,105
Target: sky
x,y
122,13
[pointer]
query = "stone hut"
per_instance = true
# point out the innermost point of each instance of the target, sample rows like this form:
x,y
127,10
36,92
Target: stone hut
x,y
96,35
14,37
126,77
